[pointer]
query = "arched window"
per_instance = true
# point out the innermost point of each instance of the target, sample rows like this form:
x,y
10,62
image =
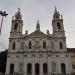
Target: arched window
x,y
29,68
13,46
52,45
30,45
57,16
63,69
61,45
16,26
44,68
17,17
37,68
44,45
58,25
11,68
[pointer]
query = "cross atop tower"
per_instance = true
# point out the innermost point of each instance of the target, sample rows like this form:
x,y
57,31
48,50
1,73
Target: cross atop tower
x,y
18,15
19,10
56,14
55,9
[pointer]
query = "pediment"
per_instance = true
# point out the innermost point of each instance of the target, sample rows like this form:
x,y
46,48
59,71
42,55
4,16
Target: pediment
x,y
37,34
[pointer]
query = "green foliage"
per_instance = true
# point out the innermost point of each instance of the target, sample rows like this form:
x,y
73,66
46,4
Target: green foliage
x,y
3,59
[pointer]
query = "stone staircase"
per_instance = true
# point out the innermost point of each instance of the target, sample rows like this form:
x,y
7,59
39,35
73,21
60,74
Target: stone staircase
x,y
38,74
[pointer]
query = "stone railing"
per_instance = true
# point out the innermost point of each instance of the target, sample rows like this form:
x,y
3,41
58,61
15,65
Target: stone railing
x,y
38,74
63,74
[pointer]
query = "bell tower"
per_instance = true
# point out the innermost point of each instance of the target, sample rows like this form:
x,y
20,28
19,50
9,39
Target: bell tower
x,y
17,24
57,23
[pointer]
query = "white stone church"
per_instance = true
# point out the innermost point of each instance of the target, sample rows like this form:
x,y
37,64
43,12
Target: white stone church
x,y
38,53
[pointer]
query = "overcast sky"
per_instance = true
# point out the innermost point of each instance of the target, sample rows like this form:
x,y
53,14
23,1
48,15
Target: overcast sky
x,y
32,10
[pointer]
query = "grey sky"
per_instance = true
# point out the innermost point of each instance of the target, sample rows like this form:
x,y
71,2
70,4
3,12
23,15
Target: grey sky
x,y
32,10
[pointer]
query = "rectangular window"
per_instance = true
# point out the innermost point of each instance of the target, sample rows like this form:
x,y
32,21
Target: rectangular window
x,y
44,45
30,45
13,46
73,66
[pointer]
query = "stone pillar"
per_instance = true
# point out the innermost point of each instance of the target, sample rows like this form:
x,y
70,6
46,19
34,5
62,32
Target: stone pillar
x,y
70,65
33,65
25,65
59,66
41,65
49,65
15,67
8,66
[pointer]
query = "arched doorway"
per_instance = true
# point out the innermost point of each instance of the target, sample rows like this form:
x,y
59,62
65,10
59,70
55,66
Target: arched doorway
x,y
63,69
29,68
11,68
45,68
37,68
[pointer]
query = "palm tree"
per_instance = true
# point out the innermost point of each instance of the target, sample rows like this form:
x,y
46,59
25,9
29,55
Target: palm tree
x,y
3,14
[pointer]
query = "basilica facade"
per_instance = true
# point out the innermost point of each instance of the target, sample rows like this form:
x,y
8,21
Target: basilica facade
x,y
38,53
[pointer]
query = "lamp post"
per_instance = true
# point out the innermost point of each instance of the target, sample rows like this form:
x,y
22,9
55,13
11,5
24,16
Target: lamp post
x,y
3,14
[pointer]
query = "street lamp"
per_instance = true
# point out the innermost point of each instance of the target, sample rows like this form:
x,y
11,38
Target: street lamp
x,y
3,14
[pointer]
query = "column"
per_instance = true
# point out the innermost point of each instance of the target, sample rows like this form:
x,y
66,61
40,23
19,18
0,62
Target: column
x,y
33,65
59,66
25,65
16,65
8,66
70,65
41,66
49,65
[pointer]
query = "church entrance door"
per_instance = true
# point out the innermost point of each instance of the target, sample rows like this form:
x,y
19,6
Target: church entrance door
x,y
29,69
37,68
11,68
63,68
